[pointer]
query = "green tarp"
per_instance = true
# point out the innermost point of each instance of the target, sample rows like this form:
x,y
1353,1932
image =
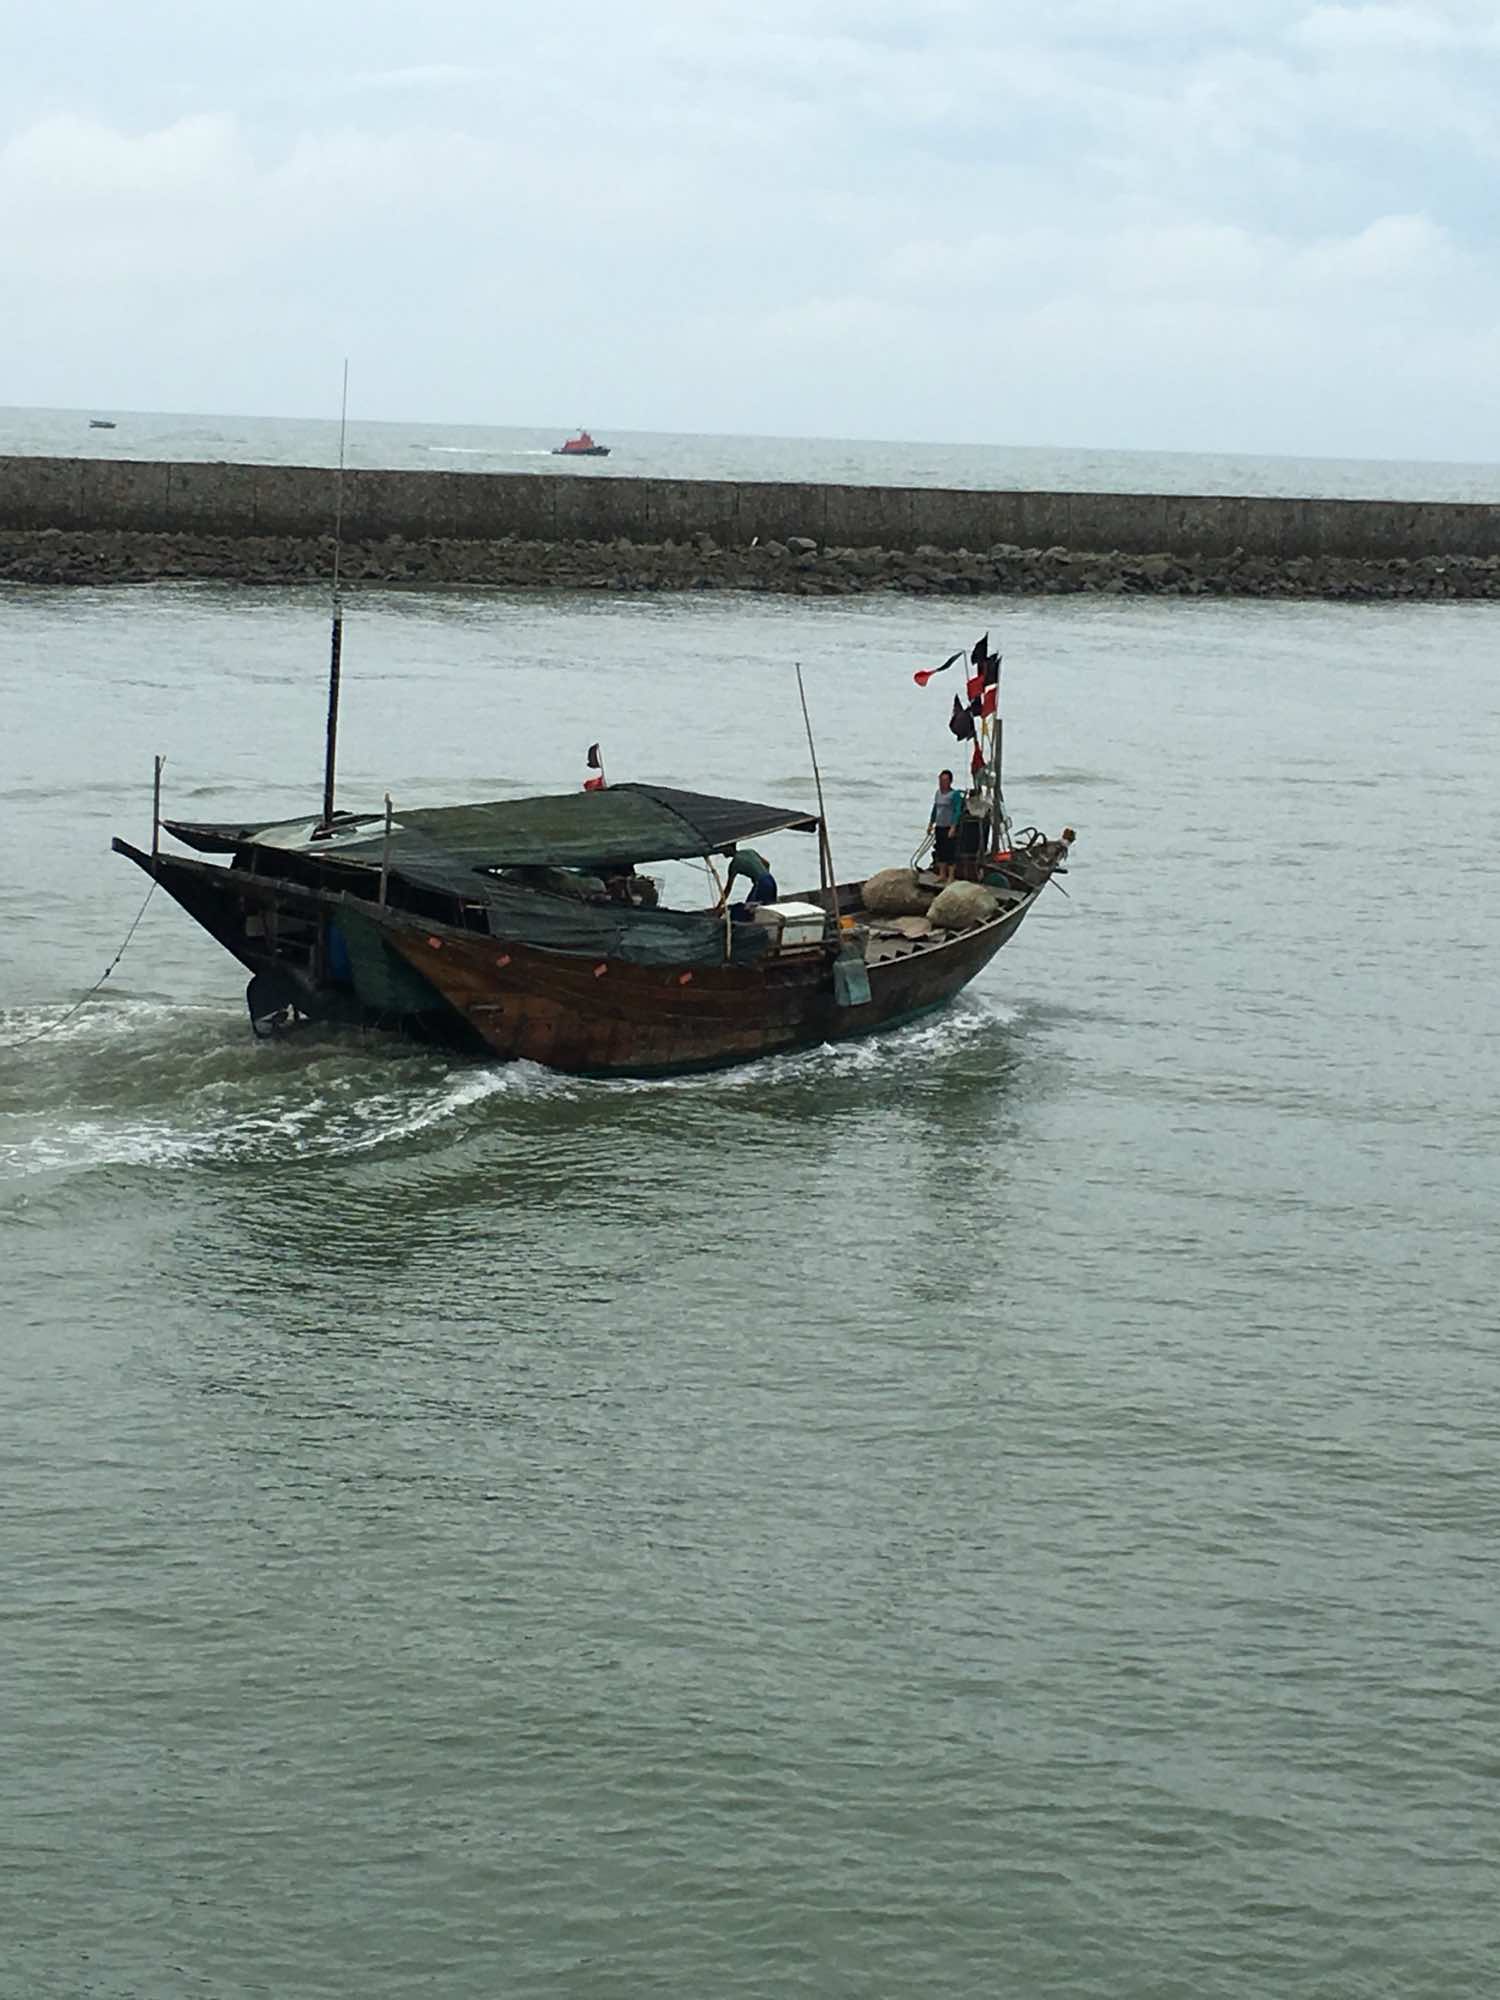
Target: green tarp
x,y
457,850
596,830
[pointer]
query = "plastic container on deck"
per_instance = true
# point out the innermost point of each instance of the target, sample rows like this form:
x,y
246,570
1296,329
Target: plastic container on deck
x,y
797,924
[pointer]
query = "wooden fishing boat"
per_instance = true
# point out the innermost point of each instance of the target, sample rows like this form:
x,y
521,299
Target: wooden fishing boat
x,y
512,928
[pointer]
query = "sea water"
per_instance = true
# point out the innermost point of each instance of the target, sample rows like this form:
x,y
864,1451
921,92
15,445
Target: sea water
x,y
1006,1507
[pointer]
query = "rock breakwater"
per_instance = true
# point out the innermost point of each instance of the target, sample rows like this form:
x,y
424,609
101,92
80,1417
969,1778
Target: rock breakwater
x,y
797,567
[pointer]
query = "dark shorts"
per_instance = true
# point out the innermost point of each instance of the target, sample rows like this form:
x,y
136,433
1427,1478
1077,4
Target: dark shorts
x,y
762,890
943,844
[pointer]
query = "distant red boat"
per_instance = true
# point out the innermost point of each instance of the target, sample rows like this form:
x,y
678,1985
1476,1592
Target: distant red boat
x,y
582,446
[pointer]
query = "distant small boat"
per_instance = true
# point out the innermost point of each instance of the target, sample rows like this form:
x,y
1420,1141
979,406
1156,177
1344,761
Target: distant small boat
x,y
582,446
101,423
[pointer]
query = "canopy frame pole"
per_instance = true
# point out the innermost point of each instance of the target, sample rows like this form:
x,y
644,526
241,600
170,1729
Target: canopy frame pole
x,y
385,853
156,815
722,889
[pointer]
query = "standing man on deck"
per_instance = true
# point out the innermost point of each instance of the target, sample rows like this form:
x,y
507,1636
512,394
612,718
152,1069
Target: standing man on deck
x,y
947,811
757,872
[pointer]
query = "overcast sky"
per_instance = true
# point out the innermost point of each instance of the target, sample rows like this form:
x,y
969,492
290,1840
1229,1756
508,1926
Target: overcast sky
x,y
1175,224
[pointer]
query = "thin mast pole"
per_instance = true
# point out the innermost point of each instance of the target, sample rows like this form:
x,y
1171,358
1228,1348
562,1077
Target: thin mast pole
x,y
1000,829
999,825
825,850
156,815
336,637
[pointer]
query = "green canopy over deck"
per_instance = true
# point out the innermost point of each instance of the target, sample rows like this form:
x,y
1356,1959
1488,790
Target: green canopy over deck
x,y
594,830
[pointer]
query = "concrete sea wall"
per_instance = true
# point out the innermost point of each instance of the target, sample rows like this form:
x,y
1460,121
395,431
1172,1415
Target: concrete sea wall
x,y
118,519
184,498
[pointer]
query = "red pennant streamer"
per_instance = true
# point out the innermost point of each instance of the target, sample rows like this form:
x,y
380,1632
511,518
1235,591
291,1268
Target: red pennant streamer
x,y
927,673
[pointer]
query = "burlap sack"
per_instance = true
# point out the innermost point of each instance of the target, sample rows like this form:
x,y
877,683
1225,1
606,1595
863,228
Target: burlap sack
x,y
961,905
895,892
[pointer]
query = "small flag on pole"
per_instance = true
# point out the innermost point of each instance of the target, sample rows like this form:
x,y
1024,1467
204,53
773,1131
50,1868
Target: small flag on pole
x,y
595,763
991,691
960,721
986,670
927,673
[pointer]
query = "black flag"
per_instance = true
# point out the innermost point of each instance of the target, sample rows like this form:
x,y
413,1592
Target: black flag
x,y
960,721
593,758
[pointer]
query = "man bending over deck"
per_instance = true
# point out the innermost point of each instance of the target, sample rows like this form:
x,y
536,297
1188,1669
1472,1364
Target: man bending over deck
x,y
757,872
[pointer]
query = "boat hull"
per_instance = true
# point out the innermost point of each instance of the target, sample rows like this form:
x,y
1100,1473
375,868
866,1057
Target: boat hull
x,y
282,934
343,960
608,1018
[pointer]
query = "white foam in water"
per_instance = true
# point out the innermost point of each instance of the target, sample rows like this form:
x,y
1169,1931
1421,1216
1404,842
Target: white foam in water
x,y
935,1038
101,1019
342,1117
336,1097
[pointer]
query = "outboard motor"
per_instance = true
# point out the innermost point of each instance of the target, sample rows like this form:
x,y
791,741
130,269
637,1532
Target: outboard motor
x,y
275,1003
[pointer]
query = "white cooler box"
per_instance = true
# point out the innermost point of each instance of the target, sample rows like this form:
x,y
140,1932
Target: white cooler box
x,y
796,924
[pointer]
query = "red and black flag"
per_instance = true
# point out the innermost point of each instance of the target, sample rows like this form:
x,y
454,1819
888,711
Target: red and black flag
x,y
595,763
989,699
984,677
926,674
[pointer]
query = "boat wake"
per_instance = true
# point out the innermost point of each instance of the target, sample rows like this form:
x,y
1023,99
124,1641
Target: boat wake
x,y
144,1082
922,1051
490,450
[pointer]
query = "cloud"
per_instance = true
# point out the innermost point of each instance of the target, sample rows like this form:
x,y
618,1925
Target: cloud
x,y
66,157
417,76
1378,31
816,215
1212,263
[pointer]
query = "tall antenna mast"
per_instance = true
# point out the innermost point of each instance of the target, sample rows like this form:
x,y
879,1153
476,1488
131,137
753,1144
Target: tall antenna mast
x,y
336,638
1000,818
825,851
